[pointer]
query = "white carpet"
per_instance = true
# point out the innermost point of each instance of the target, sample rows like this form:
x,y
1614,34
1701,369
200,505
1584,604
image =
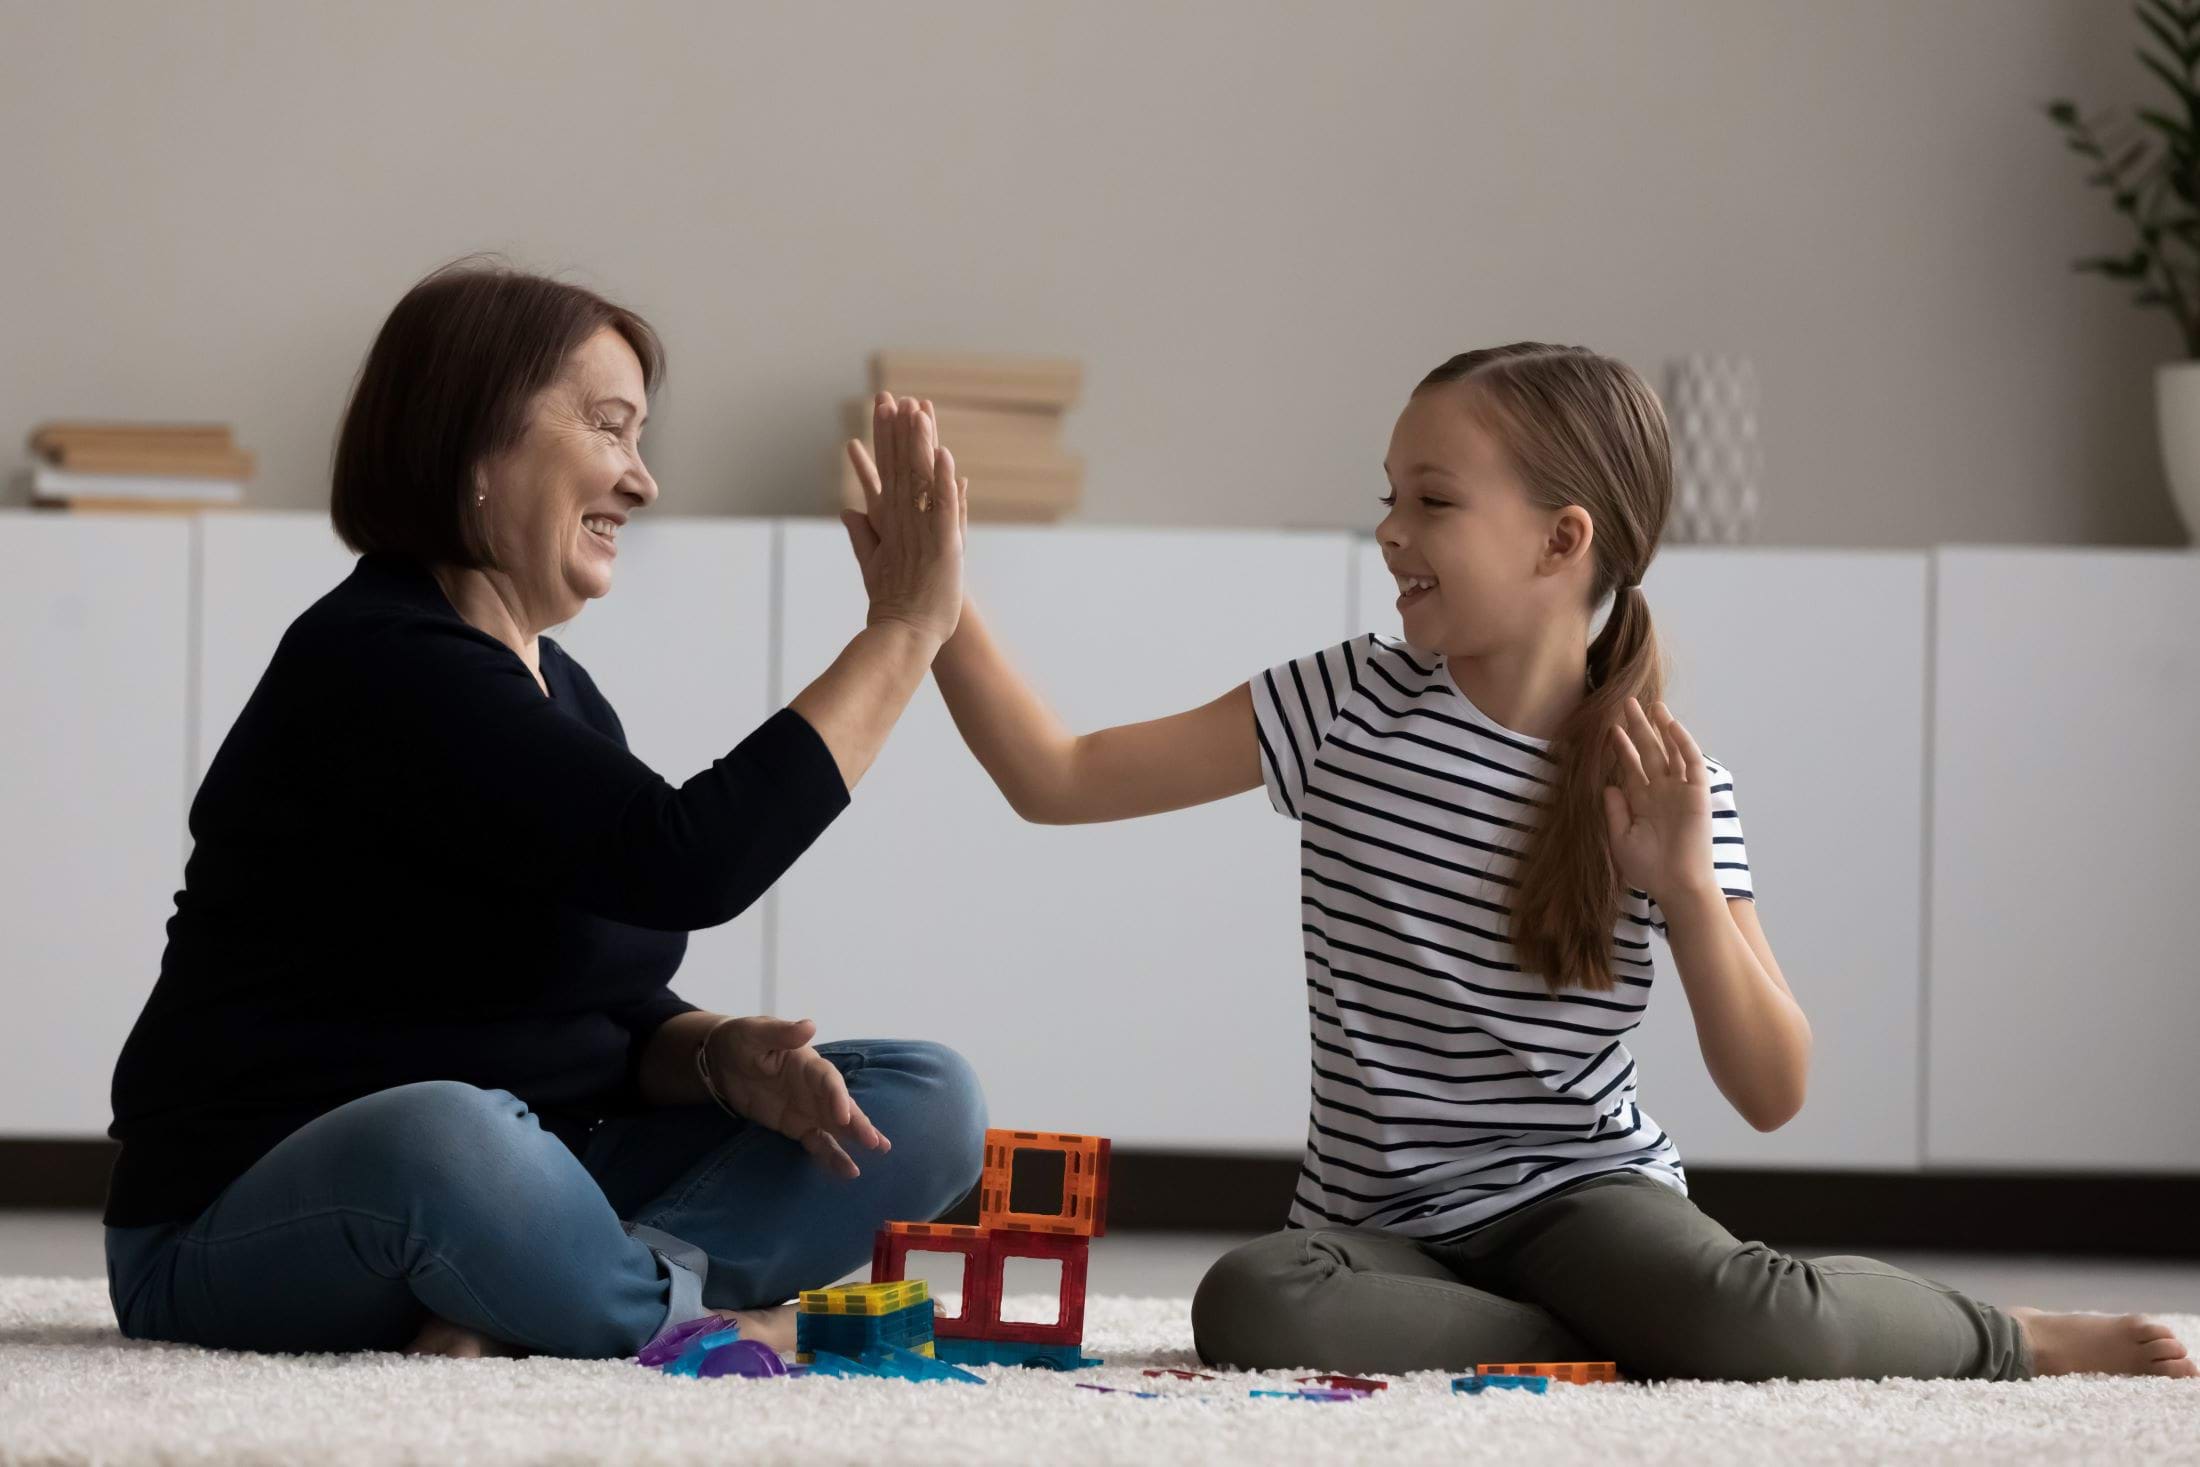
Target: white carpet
x,y
72,1390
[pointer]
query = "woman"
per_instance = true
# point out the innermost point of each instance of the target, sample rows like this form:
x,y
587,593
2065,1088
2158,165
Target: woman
x,y
411,1076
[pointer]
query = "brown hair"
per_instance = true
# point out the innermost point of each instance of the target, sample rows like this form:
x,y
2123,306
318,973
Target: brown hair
x,y
448,385
1581,429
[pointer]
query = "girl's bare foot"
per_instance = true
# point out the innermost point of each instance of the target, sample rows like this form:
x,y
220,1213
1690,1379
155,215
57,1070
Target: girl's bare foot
x,y
441,1337
773,1326
2107,1344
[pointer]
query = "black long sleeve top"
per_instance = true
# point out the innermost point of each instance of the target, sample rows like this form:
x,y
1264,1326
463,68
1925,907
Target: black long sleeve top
x,y
409,864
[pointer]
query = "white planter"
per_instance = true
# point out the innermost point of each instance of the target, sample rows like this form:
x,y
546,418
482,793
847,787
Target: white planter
x,y
2177,419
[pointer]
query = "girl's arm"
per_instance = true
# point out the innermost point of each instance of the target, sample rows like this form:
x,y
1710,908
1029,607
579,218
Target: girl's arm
x,y
1054,777
1755,1039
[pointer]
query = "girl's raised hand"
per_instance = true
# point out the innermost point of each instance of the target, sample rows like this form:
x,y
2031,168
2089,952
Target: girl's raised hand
x,y
1659,812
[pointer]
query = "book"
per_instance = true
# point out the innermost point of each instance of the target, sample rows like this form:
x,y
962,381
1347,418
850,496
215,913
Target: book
x,y
49,440
49,482
1027,493
133,506
99,458
976,438
978,381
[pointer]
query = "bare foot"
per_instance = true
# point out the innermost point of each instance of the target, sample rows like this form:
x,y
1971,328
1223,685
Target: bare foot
x,y
2106,1344
441,1337
773,1326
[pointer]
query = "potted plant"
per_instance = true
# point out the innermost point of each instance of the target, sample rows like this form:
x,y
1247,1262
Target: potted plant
x,y
2149,163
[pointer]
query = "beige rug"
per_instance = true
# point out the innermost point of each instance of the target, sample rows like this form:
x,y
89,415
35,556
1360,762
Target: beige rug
x,y
72,1390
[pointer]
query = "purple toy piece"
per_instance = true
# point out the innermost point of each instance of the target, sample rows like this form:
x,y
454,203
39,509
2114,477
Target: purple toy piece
x,y
752,1359
670,1344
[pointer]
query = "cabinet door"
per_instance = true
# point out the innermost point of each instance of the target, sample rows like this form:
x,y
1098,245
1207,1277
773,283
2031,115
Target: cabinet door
x,y
1803,672
93,660
1142,980
256,572
683,647
2066,816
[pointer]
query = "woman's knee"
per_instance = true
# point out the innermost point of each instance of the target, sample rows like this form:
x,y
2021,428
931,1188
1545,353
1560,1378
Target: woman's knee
x,y
936,1119
1239,1316
445,1140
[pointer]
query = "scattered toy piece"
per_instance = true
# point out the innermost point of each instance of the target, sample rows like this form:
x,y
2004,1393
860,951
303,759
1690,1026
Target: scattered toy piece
x,y
750,1359
1571,1372
1346,1383
1474,1385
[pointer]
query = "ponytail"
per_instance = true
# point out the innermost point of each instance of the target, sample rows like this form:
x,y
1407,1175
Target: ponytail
x,y
1568,899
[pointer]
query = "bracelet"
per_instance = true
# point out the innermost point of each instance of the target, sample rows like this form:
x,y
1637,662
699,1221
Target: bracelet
x,y
702,1068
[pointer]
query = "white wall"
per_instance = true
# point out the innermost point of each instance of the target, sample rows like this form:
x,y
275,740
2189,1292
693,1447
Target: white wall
x,y
1257,223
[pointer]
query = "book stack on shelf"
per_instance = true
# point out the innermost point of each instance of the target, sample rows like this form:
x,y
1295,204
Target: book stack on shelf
x,y
137,467
1001,417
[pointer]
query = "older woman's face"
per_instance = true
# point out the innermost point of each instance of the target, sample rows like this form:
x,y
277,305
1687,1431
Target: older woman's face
x,y
555,502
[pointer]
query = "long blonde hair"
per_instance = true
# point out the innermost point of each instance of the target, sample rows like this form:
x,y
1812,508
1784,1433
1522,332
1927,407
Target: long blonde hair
x,y
1581,429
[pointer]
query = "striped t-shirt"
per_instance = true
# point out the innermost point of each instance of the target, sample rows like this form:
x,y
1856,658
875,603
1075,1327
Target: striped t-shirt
x,y
1449,1087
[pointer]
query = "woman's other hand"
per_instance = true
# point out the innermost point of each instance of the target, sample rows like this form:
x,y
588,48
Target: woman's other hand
x,y
767,1072
909,537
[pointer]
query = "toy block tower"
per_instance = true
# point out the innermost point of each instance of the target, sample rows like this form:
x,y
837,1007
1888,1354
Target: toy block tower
x,y
1062,1230
854,1318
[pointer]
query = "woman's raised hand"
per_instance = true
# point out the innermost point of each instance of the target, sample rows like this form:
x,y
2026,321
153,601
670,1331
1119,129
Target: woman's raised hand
x,y
908,539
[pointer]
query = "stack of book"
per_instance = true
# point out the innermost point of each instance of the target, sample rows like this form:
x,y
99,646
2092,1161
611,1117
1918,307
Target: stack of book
x,y
176,467
1001,417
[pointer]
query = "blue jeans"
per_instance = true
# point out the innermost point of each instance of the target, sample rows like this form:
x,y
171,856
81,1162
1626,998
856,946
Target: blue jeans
x,y
442,1198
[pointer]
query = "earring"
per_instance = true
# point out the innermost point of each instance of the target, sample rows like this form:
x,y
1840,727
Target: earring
x,y
481,499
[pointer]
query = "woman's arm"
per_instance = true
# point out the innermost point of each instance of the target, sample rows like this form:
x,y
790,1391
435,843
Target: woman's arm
x,y
909,545
1053,777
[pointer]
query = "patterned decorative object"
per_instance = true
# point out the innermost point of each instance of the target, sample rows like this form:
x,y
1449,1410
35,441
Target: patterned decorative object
x,y
1718,465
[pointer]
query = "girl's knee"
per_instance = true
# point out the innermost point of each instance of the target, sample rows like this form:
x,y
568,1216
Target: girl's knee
x,y
1238,1316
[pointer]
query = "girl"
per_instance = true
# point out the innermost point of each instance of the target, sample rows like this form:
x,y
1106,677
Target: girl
x,y
1494,813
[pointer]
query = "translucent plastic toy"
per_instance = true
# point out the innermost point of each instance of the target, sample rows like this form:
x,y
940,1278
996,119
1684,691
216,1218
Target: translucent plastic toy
x,y
1474,1385
668,1346
893,1363
750,1359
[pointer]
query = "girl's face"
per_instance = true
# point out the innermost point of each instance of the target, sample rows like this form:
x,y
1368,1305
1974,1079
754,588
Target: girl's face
x,y
555,502
1479,565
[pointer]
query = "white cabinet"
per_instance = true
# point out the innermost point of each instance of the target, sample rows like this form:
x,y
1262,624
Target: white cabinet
x,y
93,668
682,647
2066,847
1804,672
1142,980
255,572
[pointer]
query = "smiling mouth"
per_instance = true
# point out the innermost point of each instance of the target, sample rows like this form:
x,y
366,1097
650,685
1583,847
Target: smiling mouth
x,y
603,528
1414,588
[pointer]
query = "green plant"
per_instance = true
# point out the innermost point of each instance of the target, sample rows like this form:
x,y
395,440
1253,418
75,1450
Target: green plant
x,y
2154,181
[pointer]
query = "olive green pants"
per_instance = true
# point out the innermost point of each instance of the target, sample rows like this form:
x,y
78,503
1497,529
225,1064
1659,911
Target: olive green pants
x,y
1620,1268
